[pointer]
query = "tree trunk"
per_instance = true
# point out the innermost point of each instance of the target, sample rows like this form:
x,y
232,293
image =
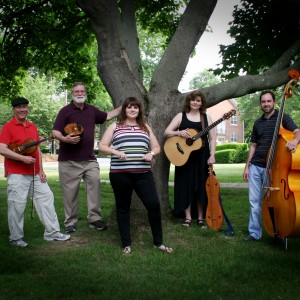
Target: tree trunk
x,y
119,70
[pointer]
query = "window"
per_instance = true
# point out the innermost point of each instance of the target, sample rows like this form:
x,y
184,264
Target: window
x,y
233,120
221,128
233,137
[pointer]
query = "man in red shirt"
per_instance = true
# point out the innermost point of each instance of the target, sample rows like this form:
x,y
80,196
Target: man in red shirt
x,y
25,176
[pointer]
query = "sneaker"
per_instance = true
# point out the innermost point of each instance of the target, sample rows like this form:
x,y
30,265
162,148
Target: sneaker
x,y
70,229
19,243
250,238
58,236
99,225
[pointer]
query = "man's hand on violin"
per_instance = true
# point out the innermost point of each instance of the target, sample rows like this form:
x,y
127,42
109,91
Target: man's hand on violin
x,y
29,160
72,139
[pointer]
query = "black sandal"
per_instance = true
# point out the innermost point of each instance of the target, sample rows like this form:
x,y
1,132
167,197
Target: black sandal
x,y
201,224
187,223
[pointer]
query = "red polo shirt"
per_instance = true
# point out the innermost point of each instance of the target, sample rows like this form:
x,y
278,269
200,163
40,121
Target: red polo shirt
x,y
15,132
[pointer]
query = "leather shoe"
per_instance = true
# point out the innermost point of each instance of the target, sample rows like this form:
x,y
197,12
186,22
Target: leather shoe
x,y
249,238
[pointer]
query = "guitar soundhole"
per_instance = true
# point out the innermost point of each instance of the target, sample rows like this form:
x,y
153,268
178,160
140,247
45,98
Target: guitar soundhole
x,y
189,141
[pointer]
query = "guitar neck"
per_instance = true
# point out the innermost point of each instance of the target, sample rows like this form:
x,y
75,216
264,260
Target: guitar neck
x,y
207,129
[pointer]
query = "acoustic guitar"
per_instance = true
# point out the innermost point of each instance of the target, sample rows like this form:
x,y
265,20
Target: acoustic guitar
x,y
178,149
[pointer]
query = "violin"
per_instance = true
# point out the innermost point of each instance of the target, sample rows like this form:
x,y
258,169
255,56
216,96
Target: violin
x,y
28,147
214,212
281,203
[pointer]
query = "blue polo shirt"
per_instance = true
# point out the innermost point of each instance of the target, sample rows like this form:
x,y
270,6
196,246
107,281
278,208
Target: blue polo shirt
x,y
262,135
87,117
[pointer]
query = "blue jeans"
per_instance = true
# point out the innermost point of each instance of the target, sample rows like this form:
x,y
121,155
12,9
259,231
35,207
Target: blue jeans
x,y
256,178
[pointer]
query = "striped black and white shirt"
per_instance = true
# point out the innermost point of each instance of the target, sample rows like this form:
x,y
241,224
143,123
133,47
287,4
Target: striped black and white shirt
x,y
262,135
135,143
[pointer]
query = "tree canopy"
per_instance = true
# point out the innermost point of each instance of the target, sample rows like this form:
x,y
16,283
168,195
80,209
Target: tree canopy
x,y
263,31
57,37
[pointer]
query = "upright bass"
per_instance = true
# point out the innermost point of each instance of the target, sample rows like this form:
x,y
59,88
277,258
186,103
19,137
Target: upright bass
x,y
281,203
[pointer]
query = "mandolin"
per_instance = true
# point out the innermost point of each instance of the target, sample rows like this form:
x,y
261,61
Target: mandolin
x,y
214,211
178,149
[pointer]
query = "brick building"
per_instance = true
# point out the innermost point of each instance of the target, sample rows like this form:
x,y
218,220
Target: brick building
x,y
231,130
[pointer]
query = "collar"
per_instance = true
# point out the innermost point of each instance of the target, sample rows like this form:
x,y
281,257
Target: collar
x,y
17,123
85,106
275,114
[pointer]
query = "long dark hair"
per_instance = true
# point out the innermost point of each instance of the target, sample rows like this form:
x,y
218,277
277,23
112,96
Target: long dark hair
x,y
191,96
140,120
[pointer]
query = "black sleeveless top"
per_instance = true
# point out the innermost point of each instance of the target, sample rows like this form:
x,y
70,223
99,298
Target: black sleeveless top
x,y
190,179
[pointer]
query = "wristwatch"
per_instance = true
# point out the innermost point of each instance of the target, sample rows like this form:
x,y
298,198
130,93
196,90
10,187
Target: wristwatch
x,y
152,153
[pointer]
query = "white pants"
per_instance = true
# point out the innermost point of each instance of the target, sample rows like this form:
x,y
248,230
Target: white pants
x,y
18,188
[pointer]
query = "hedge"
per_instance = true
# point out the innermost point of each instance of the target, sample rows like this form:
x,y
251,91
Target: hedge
x,y
232,153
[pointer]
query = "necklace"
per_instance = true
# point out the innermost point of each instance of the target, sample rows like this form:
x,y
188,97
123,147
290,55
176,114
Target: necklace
x,y
132,127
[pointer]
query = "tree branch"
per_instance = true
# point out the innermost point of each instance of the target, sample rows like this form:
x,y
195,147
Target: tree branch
x,y
113,68
175,59
247,84
285,59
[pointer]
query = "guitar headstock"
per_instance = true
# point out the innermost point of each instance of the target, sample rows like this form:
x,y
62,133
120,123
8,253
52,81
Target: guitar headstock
x,y
229,114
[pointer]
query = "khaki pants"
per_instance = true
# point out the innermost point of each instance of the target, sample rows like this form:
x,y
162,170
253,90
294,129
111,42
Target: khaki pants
x,y
70,175
19,187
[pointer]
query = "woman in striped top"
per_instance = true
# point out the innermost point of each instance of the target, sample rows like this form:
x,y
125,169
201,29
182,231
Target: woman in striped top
x,y
133,145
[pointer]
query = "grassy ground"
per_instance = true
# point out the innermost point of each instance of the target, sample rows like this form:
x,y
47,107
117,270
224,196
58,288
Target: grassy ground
x,y
231,173
205,264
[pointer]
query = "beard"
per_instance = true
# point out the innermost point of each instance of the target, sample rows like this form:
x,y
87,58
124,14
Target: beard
x,y
268,110
79,99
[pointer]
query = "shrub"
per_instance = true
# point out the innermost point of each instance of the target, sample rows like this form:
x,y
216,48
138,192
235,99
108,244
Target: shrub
x,y
226,156
232,153
44,148
242,153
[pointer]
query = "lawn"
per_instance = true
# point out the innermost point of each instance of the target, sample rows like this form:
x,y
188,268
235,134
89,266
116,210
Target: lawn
x,y
227,173
205,264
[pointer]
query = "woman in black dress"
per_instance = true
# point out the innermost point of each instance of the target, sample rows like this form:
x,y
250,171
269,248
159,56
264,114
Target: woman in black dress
x,y
190,199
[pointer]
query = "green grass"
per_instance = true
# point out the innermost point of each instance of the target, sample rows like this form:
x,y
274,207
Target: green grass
x,y
226,173
205,264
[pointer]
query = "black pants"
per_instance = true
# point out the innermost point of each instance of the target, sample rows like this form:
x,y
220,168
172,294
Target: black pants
x,y
143,184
